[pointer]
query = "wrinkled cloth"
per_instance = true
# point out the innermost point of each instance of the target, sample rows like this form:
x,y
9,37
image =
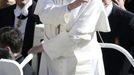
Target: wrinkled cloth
x,y
71,49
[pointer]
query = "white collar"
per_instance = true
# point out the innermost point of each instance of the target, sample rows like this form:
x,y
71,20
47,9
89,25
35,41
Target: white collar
x,y
109,8
24,10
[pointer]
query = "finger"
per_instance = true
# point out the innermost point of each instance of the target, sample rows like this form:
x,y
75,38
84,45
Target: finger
x,y
29,51
116,1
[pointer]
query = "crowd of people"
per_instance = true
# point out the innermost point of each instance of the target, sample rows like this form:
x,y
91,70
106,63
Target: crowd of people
x,y
72,33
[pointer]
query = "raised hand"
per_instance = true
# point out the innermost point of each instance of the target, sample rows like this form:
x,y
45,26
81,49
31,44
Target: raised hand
x,y
36,49
76,4
120,3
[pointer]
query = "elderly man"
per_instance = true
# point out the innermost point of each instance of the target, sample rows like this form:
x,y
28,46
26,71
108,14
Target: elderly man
x,y
70,45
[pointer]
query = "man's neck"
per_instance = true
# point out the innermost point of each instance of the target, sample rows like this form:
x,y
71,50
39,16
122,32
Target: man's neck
x,y
17,55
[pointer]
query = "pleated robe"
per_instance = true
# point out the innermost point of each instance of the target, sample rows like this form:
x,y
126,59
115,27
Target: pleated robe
x,y
70,43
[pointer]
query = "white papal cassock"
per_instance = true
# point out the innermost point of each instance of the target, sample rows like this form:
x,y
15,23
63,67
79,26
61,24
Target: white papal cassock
x,y
70,43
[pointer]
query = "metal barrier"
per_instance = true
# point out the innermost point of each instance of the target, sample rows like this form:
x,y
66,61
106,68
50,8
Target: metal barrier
x,y
120,49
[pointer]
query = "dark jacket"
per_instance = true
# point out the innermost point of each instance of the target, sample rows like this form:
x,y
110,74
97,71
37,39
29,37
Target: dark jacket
x,y
121,23
129,5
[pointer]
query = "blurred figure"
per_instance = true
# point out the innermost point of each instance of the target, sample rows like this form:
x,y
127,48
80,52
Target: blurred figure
x,y
21,16
6,3
121,23
11,41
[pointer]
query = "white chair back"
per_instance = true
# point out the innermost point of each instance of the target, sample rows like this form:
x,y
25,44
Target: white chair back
x,y
12,67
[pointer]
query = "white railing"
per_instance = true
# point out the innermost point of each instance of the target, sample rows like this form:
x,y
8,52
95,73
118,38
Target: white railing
x,y
120,49
26,60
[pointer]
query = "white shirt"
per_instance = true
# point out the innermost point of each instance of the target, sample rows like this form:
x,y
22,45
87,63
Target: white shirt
x,y
22,26
23,11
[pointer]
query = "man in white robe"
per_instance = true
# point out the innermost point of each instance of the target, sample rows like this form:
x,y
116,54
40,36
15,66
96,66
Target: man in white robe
x,y
70,46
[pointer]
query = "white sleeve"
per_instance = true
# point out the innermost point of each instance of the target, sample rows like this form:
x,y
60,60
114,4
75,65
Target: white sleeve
x,y
51,13
103,23
61,45
92,19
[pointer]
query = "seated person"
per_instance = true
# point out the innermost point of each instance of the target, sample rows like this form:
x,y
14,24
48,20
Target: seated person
x,y
11,41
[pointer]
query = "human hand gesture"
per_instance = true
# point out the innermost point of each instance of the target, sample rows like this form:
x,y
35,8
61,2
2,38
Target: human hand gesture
x,y
76,4
120,3
36,49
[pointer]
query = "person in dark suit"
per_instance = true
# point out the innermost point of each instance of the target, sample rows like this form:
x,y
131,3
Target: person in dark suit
x,y
121,23
21,16
11,41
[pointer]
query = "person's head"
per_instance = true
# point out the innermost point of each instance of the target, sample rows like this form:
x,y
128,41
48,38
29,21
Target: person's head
x,y
11,38
21,3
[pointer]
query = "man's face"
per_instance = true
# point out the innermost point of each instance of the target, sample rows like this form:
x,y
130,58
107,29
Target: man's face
x,y
22,3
